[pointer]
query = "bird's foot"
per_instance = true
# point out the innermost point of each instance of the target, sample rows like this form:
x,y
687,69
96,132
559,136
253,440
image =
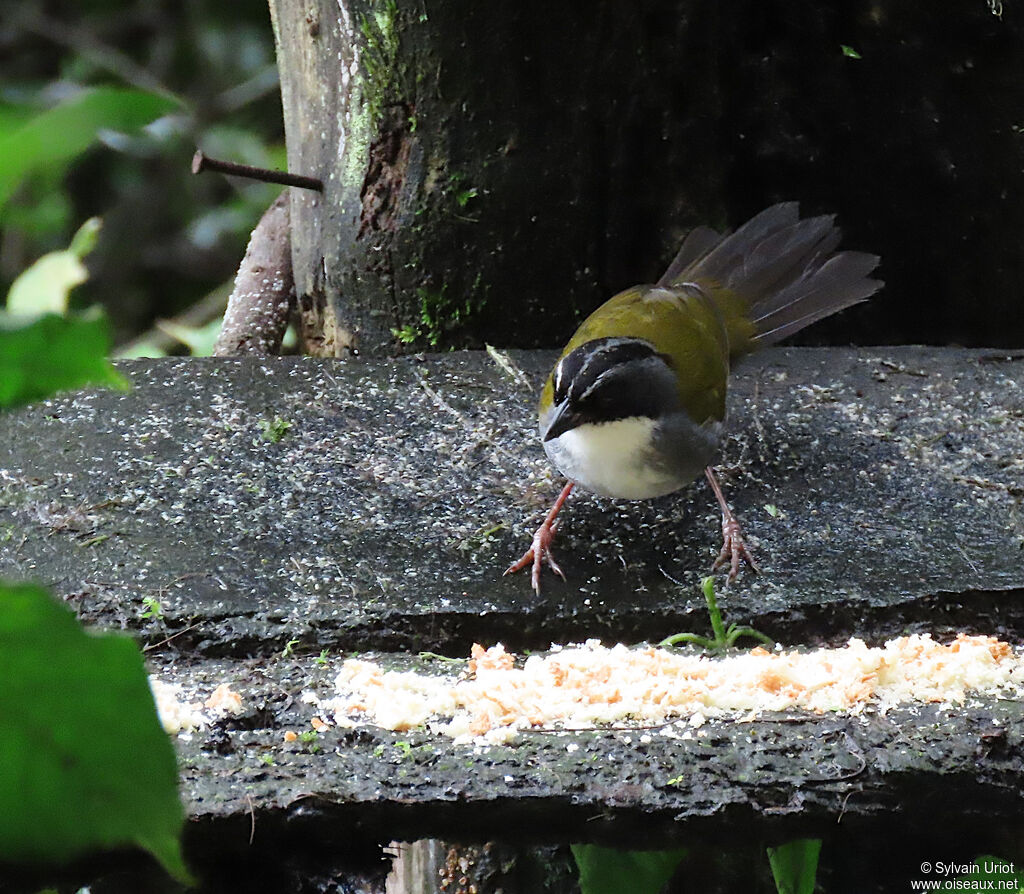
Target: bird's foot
x,y
538,554
734,549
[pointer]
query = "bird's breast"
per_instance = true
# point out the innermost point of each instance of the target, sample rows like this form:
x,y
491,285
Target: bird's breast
x,y
637,458
616,459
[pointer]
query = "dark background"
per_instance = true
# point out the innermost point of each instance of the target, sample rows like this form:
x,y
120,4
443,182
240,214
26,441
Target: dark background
x,y
918,145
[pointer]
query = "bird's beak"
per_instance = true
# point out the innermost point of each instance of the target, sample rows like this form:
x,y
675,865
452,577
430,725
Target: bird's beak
x,y
562,420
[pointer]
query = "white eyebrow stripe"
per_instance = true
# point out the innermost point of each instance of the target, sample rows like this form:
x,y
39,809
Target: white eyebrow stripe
x,y
593,387
610,345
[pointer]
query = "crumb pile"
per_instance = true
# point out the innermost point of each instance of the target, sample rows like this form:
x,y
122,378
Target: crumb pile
x,y
177,715
575,687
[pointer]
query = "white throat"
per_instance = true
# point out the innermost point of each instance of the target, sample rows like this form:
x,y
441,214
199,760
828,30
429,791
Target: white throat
x,y
614,459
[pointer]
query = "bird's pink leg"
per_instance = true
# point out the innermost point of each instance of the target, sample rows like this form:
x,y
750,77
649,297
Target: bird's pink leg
x,y
734,549
540,551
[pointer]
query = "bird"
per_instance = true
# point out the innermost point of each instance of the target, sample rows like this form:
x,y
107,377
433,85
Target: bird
x,y
635,406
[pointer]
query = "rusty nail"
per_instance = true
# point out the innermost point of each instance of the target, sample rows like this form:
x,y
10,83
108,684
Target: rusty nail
x,y
201,162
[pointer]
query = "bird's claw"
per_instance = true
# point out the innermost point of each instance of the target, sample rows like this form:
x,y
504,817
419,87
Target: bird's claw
x,y
734,549
540,552
537,555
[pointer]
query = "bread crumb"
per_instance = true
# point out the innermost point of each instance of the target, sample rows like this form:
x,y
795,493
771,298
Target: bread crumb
x,y
224,700
180,715
176,715
582,686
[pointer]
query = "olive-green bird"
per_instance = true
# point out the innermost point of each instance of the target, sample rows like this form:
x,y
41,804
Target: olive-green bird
x,y
635,406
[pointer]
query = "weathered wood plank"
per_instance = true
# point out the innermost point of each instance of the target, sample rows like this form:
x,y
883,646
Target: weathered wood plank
x,y
630,788
382,507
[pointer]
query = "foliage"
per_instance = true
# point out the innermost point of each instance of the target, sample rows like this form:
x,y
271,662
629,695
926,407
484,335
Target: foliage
x,y
274,429
204,75
991,873
200,340
724,638
605,870
46,286
54,137
43,348
86,763
52,353
380,35
795,865
440,315
609,871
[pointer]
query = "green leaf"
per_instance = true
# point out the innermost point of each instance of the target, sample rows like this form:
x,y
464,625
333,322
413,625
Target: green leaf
x,y
987,868
13,115
604,870
46,286
53,353
795,865
86,764
59,134
145,348
849,52
274,429
43,210
200,340
85,239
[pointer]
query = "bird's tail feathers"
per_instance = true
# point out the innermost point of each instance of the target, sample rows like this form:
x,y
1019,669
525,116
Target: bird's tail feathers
x,y
784,271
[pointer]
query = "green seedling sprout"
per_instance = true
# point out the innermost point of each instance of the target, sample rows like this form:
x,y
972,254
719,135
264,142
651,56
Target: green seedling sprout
x,y
274,429
724,637
152,609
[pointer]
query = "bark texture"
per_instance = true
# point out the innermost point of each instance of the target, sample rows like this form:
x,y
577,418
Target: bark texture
x,y
480,164
264,294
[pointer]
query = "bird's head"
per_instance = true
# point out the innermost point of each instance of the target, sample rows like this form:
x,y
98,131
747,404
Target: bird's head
x,y
607,379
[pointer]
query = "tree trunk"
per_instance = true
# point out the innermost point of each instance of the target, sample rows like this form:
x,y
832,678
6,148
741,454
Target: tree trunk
x,y
475,191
